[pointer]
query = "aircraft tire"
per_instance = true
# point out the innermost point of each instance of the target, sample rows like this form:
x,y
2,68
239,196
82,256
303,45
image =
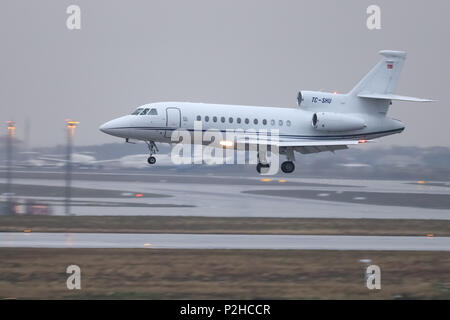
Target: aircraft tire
x,y
288,167
259,166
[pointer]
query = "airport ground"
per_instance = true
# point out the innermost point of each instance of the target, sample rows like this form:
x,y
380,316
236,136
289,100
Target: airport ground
x,y
173,193
225,225
187,203
221,274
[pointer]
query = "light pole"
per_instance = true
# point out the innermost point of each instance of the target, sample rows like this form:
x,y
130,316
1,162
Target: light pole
x,y
71,125
9,150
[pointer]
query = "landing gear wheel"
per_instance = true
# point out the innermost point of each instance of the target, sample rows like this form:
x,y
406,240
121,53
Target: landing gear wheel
x,y
151,160
260,165
288,167
153,149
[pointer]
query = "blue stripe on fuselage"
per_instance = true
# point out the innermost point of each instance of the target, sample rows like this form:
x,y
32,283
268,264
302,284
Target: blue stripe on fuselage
x,y
324,137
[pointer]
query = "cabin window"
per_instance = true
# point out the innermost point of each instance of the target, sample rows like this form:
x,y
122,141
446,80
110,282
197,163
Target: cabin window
x,y
222,119
215,119
247,121
138,110
288,123
264,122
230,119
255,121
153,112
280,122
143,113
238,120
199,118
206,118
272,122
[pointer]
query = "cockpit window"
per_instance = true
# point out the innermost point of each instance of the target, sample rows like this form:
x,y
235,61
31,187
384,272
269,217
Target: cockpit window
x,y
143,113
137,111
153,112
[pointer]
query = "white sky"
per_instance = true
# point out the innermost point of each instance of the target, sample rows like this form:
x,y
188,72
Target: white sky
x,y
236,52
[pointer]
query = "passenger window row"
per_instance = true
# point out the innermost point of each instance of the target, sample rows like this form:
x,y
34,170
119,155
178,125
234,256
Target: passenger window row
x,y
246,120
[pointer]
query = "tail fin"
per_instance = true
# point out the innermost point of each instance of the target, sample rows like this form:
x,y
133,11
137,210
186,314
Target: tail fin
x,y
383,78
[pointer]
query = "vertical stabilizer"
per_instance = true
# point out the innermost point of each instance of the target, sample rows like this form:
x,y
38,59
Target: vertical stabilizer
x,y
383,78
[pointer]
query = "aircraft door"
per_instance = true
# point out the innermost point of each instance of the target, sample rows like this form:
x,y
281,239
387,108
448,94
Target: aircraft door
x,y
173,120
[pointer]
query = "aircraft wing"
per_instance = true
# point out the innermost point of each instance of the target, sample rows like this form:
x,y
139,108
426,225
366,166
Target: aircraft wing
x,y
92,162
304,146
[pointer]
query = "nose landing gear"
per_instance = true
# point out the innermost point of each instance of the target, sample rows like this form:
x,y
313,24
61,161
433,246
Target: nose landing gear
x,y
153,149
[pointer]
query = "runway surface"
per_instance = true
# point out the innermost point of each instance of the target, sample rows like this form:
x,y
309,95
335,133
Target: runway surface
x,y
179,194
225,241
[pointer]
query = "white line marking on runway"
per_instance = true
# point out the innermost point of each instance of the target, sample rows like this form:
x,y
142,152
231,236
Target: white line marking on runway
x,y
222,241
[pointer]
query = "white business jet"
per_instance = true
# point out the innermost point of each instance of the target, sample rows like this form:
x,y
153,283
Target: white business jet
x,y
321,122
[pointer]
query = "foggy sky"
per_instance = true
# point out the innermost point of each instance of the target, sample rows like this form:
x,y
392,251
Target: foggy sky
x,y
128,53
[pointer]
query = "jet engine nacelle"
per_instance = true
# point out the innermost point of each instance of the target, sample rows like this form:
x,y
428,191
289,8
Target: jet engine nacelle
x,y
311,100
330,121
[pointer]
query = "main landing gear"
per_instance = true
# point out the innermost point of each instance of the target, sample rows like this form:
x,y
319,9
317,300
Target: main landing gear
x,y
153,149
287,166
262,162
262,165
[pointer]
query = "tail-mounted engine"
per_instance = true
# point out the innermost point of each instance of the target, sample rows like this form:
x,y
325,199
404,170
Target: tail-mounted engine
x,y
330,121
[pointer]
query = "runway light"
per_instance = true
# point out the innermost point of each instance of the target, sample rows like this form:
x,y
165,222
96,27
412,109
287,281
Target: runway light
x,y
147,244
11,128
362,141
421,182
139,195
281,181
266,180
71,123
11,125
27,230
430,235
226,143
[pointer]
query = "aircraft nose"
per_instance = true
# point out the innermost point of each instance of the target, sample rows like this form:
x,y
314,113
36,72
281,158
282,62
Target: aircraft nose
x,y
106,127
116,127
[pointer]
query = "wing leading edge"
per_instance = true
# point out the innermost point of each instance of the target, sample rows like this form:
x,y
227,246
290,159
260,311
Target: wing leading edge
x,y
304,146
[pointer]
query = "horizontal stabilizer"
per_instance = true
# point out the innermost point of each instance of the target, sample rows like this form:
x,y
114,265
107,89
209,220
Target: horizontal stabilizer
x,y
388,96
